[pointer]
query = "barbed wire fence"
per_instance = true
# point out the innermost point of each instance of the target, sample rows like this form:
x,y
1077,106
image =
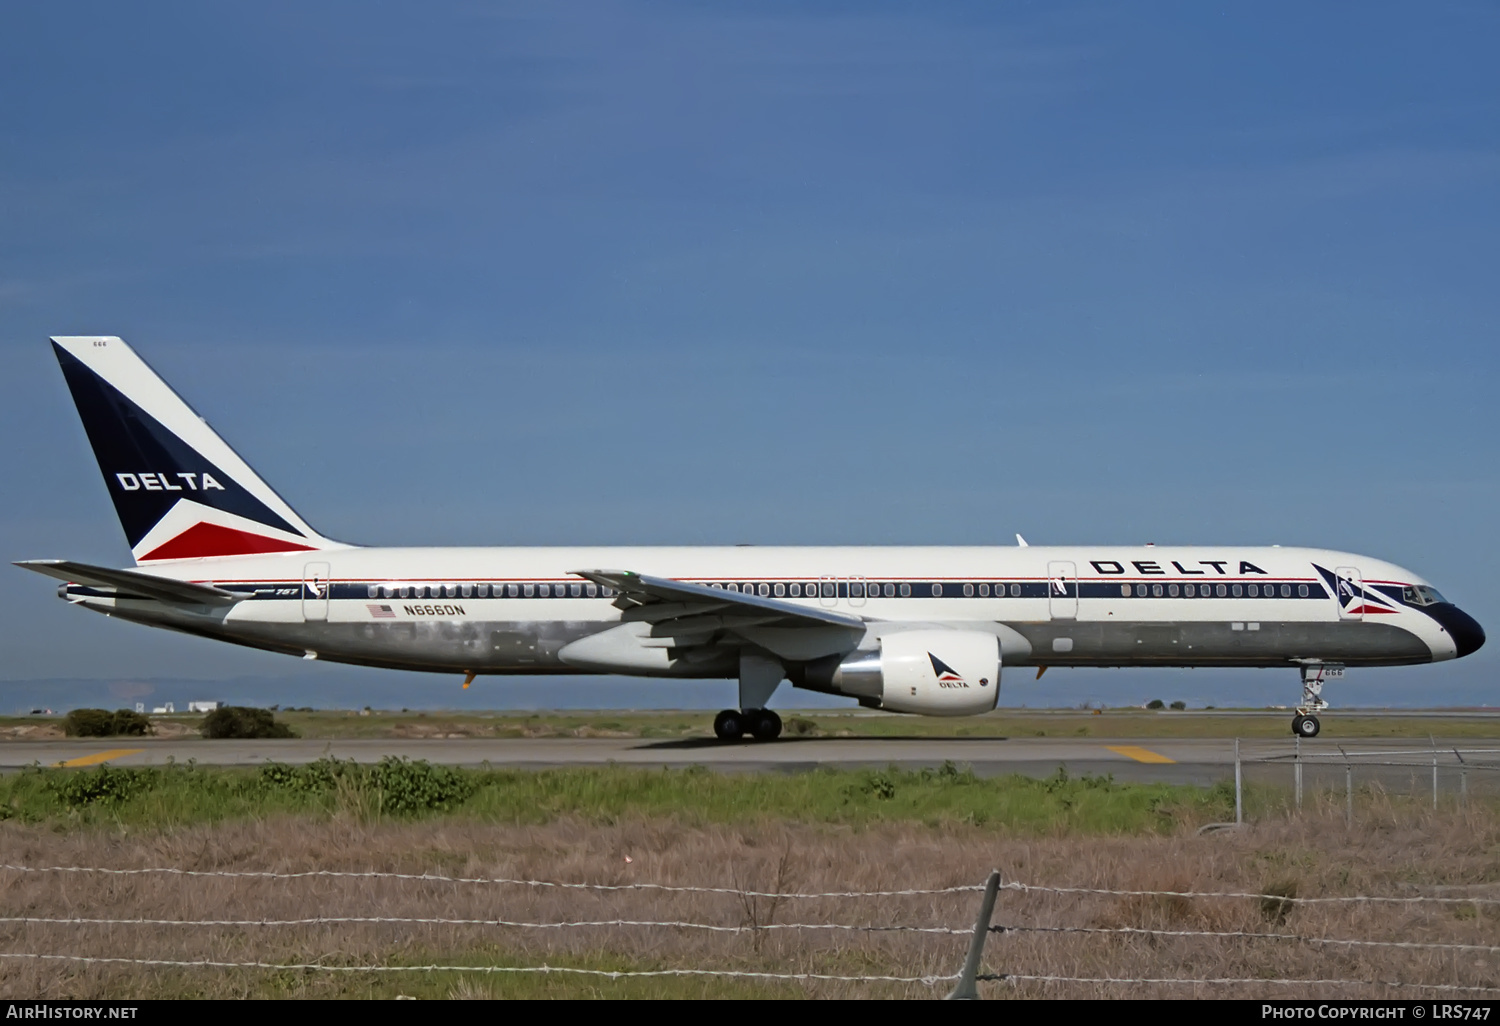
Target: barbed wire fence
x,y
985,936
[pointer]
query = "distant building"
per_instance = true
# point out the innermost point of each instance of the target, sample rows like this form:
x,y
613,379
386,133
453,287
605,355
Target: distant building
x,y
203,707
166,708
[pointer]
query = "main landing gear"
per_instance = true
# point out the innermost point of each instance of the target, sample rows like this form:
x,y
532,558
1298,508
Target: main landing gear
x,y
760,675
1305,723
761,724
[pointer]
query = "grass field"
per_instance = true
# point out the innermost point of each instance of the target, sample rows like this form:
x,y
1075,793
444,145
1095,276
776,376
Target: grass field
x,y
853,830
1392,849
182,795
1114,723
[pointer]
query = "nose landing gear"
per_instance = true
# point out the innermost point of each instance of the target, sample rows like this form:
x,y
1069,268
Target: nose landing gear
x,y
1305,723
1305,726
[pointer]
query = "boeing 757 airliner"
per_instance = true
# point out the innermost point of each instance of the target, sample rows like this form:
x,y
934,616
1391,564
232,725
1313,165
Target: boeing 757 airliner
x,y
913,630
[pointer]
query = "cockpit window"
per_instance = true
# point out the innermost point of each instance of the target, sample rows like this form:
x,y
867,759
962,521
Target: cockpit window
x,y
1421,595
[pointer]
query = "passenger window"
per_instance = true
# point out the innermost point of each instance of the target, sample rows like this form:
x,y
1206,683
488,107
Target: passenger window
x,y
575,590
1015,591
1236,590
1156,591
829,591
484,591
1286,591
984,591
1220,590
732,586
763,590
1190,590
796,590
890,590
373,591
856,589
937,591
1302,591
1253,591
466,590
606,592
528,589
778,590
1125,590
511,591
1140,590
591,590
968,591
1172,590
906,591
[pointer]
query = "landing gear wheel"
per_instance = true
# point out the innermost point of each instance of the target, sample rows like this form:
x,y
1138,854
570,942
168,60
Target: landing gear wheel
x,y
765,725
729,725
1306,726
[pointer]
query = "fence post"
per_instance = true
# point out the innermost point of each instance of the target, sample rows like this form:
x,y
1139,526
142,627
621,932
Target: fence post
x,y
1299,772
967,989
1239,803
1433,740
1463,779
1348,794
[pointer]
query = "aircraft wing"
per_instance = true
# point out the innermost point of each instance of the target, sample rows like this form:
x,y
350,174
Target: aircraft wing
x,y
133,582
659,599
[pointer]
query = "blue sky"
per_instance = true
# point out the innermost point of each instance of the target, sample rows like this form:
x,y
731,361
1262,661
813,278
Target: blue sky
x,y
777,273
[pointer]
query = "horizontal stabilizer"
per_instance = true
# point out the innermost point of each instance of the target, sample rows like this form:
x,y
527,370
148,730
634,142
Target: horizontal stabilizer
x,y
133,582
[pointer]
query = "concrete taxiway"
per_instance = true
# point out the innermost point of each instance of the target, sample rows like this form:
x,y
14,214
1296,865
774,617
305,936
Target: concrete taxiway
x,y
1179,761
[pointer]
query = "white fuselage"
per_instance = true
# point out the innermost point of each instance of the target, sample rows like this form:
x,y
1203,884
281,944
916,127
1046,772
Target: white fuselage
x,y
512,610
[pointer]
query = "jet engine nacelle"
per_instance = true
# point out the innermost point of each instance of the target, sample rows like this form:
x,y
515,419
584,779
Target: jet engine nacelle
x,y
934,673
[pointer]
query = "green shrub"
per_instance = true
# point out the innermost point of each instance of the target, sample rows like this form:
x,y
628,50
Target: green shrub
x,y
105,786
130,723
1277,900
1179,704
317,777
394,786
103,723
238,721
1156,703
408,787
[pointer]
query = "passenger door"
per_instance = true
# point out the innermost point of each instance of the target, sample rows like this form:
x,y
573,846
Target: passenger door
x,y
1350,593
315,589
1062,590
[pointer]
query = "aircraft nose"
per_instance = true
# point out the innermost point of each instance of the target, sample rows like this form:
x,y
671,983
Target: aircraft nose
x,y
1467,635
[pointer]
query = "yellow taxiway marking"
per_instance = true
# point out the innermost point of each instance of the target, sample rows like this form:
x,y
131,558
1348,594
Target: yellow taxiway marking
x,y
98,757
1139,754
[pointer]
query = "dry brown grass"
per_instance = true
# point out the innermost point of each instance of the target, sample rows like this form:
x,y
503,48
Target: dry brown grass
x,y
1400,853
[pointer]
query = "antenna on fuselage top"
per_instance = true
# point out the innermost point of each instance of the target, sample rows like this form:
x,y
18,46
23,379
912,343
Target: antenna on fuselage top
x,y
1022,542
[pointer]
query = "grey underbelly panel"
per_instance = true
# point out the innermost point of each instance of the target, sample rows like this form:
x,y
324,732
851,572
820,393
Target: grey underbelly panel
x,y
1085,643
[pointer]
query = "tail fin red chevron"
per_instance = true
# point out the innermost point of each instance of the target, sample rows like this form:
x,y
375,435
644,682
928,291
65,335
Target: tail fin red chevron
x,y
181,492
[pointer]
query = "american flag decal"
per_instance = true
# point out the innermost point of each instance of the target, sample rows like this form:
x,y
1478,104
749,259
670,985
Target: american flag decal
x,y
381,612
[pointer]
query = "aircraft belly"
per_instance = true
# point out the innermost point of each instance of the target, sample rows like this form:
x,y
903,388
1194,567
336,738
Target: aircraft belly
x,y
456,645
1084,643
532,646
